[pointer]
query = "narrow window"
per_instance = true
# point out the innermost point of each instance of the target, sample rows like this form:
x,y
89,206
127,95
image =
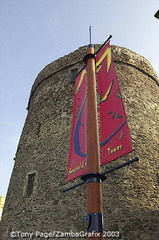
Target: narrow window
x,y
31,177
74,73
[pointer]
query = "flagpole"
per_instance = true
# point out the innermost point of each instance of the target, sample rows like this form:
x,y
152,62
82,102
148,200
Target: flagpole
x,y
93,188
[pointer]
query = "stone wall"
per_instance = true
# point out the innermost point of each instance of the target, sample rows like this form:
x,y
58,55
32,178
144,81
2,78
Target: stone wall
x,y
130,195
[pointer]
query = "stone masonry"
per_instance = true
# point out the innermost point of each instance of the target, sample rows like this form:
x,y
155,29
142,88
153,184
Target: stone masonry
x,y
130,195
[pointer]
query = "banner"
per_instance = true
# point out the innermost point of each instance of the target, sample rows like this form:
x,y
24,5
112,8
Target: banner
x,y
114,133
78,144
115,138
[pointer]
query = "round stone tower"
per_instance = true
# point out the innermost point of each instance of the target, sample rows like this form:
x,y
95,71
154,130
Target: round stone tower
x,y
35,204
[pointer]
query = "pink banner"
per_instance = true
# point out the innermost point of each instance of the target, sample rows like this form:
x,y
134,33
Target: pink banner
x,y
115,140
77,152
114,133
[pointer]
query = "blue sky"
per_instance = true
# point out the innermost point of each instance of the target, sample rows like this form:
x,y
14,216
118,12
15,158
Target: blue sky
x,y
34,33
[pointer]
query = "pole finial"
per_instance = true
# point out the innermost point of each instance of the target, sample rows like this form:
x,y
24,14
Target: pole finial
x,y
90,36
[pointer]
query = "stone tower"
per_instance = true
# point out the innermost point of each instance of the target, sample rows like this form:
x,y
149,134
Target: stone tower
x,y
34,201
